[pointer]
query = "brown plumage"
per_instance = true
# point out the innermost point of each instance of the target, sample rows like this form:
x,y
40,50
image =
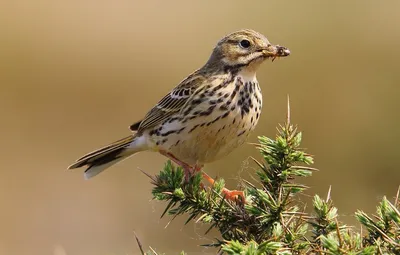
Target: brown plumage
x,y
206,116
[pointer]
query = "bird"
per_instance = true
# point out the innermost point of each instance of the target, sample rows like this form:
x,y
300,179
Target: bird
x,y
205,117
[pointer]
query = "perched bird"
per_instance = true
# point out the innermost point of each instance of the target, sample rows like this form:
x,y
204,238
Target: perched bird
x,y
205,117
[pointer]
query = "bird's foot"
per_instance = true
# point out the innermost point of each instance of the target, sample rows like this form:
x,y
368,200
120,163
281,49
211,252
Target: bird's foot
x,y
232,195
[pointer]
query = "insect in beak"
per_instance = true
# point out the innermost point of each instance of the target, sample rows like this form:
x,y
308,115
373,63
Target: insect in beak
x,y
276,51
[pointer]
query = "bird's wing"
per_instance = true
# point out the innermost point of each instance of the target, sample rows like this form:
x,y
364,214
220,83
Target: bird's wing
x,y
172,103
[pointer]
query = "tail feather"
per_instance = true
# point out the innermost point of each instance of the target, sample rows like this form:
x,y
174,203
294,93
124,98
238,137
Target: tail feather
x,y
99,160
111,147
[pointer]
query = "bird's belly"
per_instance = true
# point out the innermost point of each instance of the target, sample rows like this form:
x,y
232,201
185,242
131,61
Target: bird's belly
x,y
211,128
208,139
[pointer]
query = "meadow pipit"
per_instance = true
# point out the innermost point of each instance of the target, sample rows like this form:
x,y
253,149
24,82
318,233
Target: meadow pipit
x,y
206,116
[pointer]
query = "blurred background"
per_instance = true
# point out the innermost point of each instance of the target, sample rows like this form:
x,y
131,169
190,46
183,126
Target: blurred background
x,y
75,74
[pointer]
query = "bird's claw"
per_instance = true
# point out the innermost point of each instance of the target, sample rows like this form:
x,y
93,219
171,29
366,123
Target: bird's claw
x,y
233,195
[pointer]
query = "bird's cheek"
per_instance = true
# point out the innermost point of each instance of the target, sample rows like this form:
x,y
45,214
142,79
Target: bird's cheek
x,y
228,61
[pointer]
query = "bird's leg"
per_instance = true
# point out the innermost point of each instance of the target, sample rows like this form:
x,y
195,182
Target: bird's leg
x,y
189,170
229,194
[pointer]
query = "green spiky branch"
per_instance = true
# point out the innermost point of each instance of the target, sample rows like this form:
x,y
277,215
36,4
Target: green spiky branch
x,y
271,220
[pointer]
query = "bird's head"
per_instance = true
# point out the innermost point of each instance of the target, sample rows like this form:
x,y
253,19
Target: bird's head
x,y
245,49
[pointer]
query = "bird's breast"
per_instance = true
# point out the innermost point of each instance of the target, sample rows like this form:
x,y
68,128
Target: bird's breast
x,y
216,121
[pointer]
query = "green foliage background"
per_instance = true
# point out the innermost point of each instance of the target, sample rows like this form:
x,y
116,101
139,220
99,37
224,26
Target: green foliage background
x,y
272,219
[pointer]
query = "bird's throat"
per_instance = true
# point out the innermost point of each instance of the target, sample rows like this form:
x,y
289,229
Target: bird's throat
x,y
247,75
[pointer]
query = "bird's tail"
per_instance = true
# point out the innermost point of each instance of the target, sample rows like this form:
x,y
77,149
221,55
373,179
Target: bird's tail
x,y
101,159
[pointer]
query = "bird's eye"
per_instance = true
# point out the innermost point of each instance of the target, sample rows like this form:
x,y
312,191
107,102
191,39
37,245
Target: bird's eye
x,y
244,44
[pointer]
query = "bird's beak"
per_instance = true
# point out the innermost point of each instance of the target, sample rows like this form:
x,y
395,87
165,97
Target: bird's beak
x,y
275,51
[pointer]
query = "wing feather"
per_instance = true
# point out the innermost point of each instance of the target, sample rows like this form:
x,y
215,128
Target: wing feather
x,y
172,103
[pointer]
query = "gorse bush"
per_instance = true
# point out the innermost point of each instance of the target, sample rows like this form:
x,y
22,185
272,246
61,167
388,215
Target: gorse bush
x,y
272,219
